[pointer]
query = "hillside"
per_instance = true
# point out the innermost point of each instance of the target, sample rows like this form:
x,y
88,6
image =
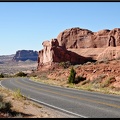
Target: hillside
x,y
6,58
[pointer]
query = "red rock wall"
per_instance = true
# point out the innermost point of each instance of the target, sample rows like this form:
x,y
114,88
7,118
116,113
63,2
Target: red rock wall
x,y
53,53
56,50
83,38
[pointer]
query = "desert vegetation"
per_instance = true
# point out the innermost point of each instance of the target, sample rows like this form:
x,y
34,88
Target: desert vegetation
x,y
20,74
71,78
4,106
6,110
1,75
92,76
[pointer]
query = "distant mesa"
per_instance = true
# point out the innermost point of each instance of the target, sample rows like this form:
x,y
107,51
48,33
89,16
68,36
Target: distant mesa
x,y
1,62
23,55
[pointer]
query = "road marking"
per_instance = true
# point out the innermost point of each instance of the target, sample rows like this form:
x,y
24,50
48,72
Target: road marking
x,y
50,105
58,108
75,97
75,114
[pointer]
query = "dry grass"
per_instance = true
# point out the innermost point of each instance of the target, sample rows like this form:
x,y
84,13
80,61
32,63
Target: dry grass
x,y
84,85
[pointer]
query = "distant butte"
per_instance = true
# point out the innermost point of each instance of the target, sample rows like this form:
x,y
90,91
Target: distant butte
x,y
23,55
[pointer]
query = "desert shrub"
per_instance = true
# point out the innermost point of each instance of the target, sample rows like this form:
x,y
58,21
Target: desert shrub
x,y
71,78
108,81
77,66
4,106
34,76
21,74
79,79
98,79
88,63
17,94
1,75
43,76
104,60
65,64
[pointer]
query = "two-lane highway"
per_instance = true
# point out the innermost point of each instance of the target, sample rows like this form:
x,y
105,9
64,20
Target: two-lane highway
x,y
79,103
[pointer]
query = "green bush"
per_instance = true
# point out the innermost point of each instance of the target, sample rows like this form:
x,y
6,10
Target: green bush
x,y
21,74
71,78
1,75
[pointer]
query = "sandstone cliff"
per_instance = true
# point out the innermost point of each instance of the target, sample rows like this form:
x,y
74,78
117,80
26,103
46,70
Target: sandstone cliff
x,y
53,53
83,38
78,46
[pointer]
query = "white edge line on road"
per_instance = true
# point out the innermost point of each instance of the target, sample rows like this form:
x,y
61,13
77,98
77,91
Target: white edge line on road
x,y
48,104
57,108
4,86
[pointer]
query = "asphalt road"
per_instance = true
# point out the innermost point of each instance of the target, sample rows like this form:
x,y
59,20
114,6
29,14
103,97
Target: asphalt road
x,y
83,104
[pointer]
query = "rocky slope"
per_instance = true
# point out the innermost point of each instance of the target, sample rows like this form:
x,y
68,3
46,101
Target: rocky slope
x,y
6,58
110,53
99,74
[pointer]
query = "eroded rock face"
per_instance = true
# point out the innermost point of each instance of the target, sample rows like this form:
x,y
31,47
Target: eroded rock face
x,y
53,53
56,50
75,38
23,55
83,38
110,53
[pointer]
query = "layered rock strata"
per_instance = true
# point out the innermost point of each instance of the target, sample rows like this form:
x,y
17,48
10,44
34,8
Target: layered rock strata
x,y
62,48
83,38
53,53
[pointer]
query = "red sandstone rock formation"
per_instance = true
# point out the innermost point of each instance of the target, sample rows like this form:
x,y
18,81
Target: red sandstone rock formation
x,y
56,50
110,53
83,38
75,38
53,53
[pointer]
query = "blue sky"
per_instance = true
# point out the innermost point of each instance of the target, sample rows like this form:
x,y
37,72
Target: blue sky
x,y
25,25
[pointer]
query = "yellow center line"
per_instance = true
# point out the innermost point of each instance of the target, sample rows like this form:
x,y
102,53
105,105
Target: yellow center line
x,y
69,96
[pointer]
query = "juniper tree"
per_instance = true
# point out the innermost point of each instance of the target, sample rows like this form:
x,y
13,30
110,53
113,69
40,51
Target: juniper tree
x,y
71,78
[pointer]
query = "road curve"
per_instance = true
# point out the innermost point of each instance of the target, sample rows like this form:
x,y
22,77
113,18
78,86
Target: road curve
x,y
83,104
